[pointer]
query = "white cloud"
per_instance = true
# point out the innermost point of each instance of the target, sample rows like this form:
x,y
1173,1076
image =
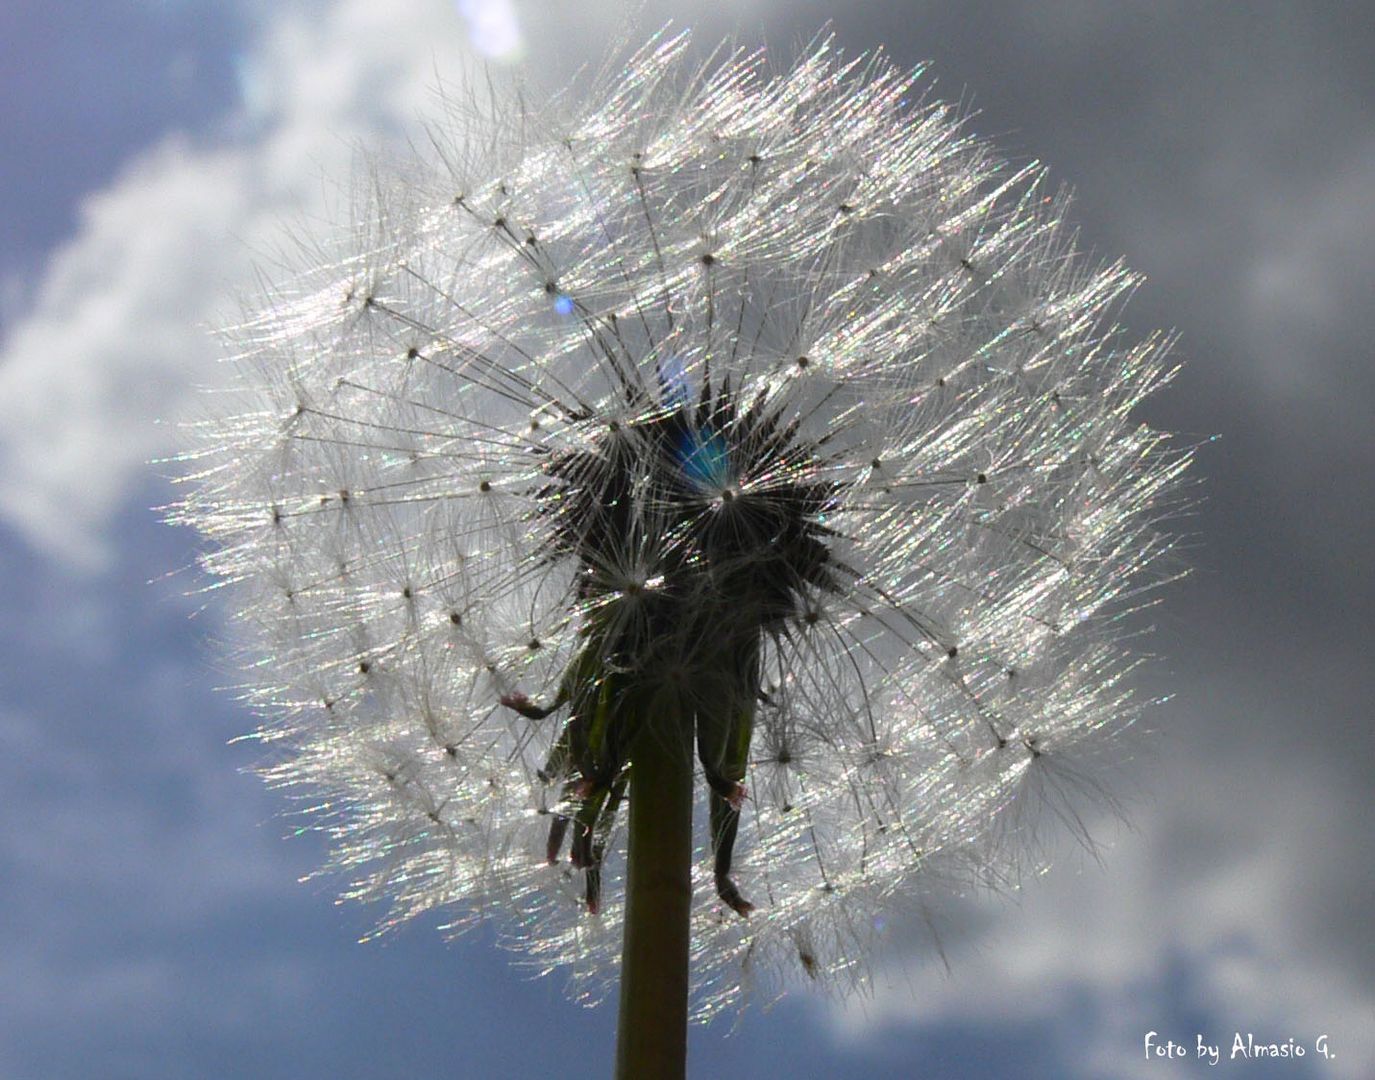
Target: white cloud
x,y
1309,282
1206,903
493,27
116,331
116,334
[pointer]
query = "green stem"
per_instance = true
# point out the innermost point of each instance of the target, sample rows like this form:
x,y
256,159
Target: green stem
x,y
651,1041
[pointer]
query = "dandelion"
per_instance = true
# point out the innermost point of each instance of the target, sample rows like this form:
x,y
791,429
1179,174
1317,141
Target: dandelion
x,y
759,427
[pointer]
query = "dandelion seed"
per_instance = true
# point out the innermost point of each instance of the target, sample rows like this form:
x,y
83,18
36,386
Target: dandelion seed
x,y
766,418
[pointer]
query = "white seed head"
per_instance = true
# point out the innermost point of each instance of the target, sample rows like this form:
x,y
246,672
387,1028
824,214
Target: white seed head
x,y
787,361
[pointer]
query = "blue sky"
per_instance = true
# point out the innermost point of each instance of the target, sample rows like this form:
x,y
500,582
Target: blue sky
x,y
154,924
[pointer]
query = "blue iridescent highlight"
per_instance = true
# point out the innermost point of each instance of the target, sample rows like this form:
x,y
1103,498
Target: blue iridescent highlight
x,y
673,381
563,304
703,457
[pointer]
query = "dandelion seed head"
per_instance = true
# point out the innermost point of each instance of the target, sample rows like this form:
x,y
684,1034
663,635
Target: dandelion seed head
x,y
744,393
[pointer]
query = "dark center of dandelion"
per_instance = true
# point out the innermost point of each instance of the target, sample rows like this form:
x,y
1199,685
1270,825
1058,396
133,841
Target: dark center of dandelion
x,y
723,505
720,512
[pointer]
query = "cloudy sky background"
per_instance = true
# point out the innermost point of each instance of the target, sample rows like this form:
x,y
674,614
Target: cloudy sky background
x,y
151,920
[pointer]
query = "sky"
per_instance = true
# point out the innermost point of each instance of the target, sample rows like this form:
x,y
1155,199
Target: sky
x,y
153,923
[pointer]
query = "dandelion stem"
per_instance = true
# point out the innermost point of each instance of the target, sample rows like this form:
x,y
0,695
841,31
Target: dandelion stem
x,y
652,1035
